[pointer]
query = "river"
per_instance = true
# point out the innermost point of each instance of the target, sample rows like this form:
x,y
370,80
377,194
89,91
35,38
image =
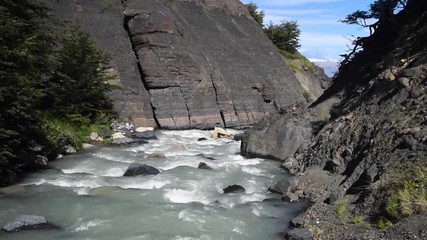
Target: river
x,y
86,195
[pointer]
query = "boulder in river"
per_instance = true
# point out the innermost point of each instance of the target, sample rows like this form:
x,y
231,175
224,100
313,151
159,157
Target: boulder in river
x,y
117,135
202,139
234,189
69,150
41,161
219,132
203,165
144,129
28,222
145,135
136,169
278,139
157,155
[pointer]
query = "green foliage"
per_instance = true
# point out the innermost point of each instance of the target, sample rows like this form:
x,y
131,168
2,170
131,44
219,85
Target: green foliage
x,y
360,220
341,209
409,197
257,15
79,84
297,61
308,96
284,35
52,82
383,10
384,223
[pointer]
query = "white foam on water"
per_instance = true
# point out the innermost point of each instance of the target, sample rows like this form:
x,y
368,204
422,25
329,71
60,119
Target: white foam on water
x,y
82,191
150,184
184,196
90,224
259,211
174,164
203,237
253,171
112,158
113,172
187,216
254,197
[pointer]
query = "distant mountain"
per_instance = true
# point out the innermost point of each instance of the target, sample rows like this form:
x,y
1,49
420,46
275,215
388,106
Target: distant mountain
x,y
329,66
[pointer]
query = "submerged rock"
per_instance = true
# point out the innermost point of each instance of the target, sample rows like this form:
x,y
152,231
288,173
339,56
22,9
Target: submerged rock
x,y
157,155
234,189
202,139
126,141
203,165
28,222
136,169
205,157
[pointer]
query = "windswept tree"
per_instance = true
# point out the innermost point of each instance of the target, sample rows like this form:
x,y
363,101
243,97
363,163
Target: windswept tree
x,y
380,11
255,13
284,35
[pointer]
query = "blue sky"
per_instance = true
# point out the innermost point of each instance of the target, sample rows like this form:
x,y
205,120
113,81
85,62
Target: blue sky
x,y
322,36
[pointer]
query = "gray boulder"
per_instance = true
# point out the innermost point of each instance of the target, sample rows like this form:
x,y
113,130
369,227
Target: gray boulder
x,y
126,141
299,234
136,169
276,139
203,165
28,222
145,135
234,189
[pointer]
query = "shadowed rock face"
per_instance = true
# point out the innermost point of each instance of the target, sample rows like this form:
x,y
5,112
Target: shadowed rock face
x,y
188,64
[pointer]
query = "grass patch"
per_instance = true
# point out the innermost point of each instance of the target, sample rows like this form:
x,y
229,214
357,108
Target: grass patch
x,y
360,220
74,130
308,96
297,61
384,223
341,209
410,196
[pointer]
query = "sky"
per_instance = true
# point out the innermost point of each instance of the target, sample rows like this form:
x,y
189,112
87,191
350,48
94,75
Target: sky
x,y
323,37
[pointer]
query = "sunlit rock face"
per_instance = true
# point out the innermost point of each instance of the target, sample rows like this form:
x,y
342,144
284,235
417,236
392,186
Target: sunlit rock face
x,y
188,64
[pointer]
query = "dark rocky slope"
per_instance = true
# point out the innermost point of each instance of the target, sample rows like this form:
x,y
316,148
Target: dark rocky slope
x,y
369,128
188,64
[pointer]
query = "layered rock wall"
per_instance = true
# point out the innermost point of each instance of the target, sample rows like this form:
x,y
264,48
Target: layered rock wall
x,y
188,63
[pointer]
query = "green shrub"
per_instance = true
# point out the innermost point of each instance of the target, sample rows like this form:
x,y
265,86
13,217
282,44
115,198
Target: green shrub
x,y
341,209
308,96
360,220
409,197
384,223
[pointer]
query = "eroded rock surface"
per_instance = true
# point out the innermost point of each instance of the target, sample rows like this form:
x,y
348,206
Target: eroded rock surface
x,y
187,64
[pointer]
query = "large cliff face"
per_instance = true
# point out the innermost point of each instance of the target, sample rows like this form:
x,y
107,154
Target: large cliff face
x,y
188,64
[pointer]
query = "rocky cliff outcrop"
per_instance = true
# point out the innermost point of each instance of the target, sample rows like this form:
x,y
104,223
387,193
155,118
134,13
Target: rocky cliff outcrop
x,y
369,130
187,64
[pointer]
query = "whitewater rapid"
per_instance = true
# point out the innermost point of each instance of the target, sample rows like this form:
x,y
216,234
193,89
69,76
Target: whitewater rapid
x,y
86,195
